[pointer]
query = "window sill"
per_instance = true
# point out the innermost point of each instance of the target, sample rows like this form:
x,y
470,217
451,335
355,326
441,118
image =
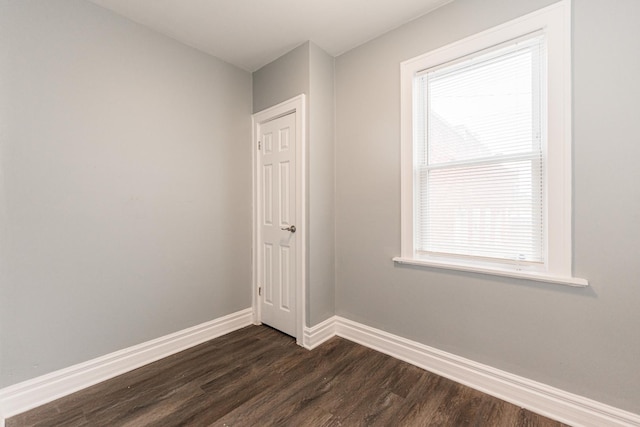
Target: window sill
x,y
528,275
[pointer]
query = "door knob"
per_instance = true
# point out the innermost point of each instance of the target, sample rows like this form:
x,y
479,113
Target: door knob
x,y
291,229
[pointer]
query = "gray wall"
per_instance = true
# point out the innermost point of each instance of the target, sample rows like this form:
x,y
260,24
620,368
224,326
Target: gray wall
x,y
125,186
580,340
308,70
321,195
282,79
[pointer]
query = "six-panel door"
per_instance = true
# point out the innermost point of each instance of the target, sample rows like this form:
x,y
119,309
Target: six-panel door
x,y
277,246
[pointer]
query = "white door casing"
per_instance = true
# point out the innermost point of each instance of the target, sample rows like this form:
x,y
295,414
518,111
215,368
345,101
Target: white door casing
x,y
278,212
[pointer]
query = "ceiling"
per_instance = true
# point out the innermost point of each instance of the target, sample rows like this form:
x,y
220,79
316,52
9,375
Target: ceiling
x,y
252,33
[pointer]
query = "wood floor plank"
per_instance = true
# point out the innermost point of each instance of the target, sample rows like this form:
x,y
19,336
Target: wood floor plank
x,y
257,376
305,382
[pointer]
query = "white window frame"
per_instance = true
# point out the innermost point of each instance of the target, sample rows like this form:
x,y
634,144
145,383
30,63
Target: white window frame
x,y
555,22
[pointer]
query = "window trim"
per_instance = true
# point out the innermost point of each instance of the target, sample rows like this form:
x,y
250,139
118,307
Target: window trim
x,y
555,22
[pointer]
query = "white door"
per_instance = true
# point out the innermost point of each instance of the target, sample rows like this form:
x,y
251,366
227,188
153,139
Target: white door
x,y
277,223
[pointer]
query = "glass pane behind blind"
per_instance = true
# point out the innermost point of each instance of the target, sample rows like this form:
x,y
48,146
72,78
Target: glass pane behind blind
x,y
485,211
484,108
482,117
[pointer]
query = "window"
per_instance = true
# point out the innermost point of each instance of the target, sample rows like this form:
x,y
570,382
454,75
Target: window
x,y
486,152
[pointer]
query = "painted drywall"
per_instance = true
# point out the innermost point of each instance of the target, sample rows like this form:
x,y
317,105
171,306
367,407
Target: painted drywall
x,y
321,162
125,186
282,79
580,340
308,69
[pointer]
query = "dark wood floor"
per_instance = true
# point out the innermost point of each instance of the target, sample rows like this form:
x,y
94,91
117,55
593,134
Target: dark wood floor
x,y
259,377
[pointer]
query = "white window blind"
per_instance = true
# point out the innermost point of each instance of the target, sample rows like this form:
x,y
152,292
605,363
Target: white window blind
x,y
478,163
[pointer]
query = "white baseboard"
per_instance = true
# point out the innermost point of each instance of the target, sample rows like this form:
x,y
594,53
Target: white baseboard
x,y
316,335
29,394
540,398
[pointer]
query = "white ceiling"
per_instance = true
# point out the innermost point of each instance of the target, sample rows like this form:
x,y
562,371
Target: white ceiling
x,y
252,33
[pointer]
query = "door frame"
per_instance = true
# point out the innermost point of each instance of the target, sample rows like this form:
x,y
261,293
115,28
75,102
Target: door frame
x,y
294,105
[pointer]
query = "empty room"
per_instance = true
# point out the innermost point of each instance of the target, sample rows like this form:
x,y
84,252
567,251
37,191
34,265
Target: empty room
x,y
319,213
